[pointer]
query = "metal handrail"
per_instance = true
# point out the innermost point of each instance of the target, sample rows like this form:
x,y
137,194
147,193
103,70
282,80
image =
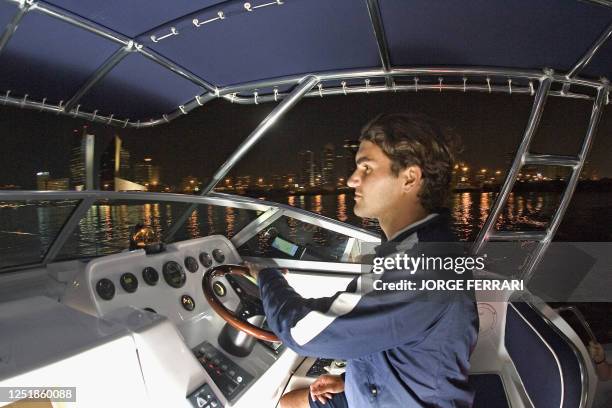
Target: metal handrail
x,y
248,143
388,72
581,319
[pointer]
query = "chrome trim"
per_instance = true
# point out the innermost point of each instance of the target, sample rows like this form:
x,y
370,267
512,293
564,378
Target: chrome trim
x,y
312,218
588,56
100,73
517,235
538,253
206,97
88,25
381,38
503,73
247,144
11,27
213,199
282,108
502,197
255,226
551,160
551,352
169,65
327,223
580,317
388,72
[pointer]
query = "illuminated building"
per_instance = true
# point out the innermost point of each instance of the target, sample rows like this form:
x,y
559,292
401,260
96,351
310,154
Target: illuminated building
x,y
45,182
328,157
115,165
82,166
147,173
307,168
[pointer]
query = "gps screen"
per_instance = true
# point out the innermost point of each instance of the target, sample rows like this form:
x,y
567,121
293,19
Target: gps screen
x,y
285,246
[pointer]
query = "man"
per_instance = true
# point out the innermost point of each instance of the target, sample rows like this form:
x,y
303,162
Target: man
x,y
404,349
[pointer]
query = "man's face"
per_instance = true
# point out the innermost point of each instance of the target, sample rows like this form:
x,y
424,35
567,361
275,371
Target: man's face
x,y
377,190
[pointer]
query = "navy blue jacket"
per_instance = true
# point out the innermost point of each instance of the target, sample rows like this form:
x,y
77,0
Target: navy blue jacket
x,y
404,348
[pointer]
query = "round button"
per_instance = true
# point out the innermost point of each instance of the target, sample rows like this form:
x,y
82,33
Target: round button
x,y
187,302
129,282
191,264
206,259
219,255
174,274
105,289
150,275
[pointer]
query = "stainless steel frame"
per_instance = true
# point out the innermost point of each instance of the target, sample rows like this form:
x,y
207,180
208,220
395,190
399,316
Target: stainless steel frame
x,y
256,226
381,39
237,97
100,73
581,319
522,158
534,119
389,73
104,32
248,143
11,27
543,244
588,56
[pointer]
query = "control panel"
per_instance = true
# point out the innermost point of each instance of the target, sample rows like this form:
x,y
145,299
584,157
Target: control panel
x,y
168,283
227,375
204,397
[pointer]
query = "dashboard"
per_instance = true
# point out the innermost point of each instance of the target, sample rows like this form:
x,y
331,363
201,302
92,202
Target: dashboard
x,y
143,291
168,283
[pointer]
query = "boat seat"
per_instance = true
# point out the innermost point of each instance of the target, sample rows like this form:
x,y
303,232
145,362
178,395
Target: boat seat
x,y
544,359
489,391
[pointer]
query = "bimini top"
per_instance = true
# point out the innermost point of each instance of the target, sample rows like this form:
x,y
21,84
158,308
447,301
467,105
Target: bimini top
x,y
145,62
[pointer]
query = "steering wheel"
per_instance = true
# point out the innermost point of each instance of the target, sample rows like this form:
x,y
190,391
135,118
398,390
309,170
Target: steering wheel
x,y
250,303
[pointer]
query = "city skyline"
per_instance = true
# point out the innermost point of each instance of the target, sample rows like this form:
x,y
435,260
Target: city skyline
x,y
199,143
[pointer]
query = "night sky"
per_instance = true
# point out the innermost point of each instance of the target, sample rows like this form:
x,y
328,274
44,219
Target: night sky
x,y
198,143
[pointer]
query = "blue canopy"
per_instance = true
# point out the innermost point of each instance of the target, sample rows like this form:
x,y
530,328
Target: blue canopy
x,y
66,51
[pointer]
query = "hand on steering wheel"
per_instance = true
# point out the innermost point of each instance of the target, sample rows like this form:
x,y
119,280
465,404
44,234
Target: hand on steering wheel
x,y
250,303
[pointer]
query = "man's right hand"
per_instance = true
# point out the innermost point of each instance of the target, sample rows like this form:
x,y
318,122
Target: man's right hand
x,y
326,385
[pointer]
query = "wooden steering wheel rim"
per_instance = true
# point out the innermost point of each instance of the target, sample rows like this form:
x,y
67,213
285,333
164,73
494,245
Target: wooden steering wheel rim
x,y
225,313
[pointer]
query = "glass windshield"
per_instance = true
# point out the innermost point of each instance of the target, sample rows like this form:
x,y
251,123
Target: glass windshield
x,y
289,238
27,229
109,224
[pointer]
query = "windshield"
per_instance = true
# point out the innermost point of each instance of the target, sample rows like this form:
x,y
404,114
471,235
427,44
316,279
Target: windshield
x,y
109,224
29,227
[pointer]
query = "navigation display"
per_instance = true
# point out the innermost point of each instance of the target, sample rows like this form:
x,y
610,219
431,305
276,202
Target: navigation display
x,y
285,246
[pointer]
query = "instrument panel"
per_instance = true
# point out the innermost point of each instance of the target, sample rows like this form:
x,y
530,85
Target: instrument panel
x,y
170,282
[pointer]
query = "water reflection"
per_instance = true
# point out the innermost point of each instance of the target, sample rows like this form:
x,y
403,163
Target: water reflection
x,y
193,226
230,219
341,208
106,226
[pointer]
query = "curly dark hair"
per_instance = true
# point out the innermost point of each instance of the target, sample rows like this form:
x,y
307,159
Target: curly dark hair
x,y
415,139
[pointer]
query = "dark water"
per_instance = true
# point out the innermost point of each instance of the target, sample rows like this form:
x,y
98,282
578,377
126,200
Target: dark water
x,y
27,229
589,217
